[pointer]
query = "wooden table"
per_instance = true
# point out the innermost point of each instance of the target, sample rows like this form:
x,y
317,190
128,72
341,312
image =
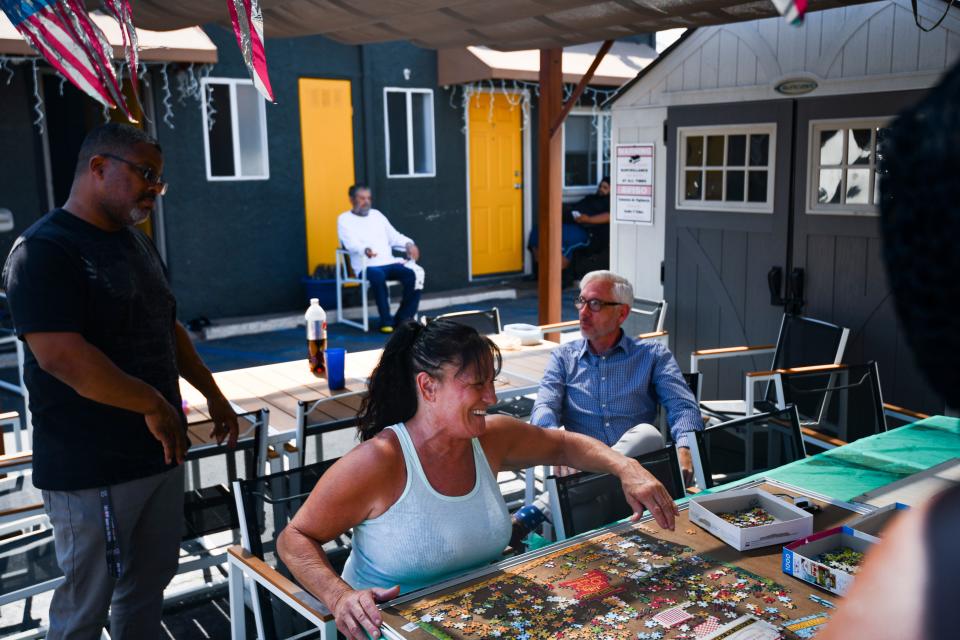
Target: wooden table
x,y
280,387
531,587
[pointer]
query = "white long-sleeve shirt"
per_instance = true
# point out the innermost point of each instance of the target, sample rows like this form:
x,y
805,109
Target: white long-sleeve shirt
x,y
373,231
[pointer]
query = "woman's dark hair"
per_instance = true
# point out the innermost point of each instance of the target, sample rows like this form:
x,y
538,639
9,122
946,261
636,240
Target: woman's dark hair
x,y
920,220
413,348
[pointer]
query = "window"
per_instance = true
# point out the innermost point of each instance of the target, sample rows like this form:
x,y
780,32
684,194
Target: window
x,y
843,166
408,125
235,126
586,149
727,168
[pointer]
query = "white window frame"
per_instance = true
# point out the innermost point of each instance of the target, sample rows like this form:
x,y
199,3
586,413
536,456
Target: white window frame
x,y
432,132
813,166
585,188
768,128
262,111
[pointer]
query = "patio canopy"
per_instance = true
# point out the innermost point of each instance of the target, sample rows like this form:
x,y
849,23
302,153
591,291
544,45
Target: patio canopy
x,y
187,44
470,64
440,24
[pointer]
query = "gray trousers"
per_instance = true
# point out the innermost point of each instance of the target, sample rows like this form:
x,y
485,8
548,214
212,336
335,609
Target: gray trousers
x,y
149,522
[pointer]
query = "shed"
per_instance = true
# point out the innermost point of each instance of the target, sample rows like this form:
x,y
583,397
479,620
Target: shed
x,y
764,188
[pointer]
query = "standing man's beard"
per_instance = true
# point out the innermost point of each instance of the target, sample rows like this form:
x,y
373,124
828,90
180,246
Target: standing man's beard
x,y
362,211
138,215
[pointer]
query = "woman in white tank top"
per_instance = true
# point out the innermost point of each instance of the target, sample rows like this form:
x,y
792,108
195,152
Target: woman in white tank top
x,y
420,491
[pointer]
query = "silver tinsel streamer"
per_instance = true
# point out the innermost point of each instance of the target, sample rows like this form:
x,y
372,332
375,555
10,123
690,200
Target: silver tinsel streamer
x,y
38,101
167,98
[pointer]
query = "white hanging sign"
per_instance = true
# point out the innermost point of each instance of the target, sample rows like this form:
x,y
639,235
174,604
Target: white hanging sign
x,y
633,186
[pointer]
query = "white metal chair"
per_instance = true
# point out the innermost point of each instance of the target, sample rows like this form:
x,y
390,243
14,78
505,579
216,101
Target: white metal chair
x,y
347,278
264,506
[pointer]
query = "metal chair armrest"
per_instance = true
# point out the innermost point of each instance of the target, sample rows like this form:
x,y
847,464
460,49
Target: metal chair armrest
x,y
907,415
16,462
727,352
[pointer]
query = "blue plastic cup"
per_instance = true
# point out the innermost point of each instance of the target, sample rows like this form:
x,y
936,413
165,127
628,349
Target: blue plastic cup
x,y
335,360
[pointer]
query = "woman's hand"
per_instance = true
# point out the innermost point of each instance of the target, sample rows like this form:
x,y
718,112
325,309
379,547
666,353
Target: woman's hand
x,y
642,490
356,612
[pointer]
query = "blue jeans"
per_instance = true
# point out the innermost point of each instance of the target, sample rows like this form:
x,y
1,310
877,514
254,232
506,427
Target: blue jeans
x,y
378,276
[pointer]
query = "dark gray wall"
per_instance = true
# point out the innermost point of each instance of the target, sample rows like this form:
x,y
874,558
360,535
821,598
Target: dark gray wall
x,y
432,211
22,186
239,248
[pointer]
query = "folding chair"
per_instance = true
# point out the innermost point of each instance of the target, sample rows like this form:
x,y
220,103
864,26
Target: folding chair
x,y
837,403
740,448
323,426
801,342
646,316
585,501
28,561
264,506
210,468
485,322
347,277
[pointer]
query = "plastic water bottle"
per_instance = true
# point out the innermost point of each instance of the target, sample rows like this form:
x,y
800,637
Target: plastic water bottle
x,y
316,319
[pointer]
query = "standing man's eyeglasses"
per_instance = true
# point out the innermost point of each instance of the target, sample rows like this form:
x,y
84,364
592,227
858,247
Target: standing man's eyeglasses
x,y
595,304
149,175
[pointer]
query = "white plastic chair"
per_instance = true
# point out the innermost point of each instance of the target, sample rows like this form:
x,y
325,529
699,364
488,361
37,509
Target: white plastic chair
x,y
346,277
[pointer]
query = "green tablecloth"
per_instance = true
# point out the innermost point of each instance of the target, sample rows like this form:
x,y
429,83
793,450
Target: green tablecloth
x,y
846,472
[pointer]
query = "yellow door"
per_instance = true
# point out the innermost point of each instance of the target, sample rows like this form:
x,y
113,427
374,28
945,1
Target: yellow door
x,y
326,136
496,185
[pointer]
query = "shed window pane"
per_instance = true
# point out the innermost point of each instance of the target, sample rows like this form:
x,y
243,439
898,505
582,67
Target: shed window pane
x,y
693,185
422,132
831,147
858,186
714,185
735,181
580,147
858,146
757,186
397,126
759,150
736,151
220,135
715,151
252,153
829,190
695,151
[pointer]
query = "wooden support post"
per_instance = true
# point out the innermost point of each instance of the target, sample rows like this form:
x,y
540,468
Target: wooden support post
x,y
550,187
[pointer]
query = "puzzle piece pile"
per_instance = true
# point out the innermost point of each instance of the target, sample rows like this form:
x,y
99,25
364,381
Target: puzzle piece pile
x,y
625,586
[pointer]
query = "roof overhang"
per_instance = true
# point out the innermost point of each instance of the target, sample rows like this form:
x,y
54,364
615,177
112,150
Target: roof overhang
x,y
444,24
476,63
189,44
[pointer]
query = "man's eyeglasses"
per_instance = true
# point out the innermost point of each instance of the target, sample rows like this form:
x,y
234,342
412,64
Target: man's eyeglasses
x,y
595,304
149,175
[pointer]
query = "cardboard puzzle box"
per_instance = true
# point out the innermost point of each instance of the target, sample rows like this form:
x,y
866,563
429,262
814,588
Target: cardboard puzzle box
x,y
875,523
829,559
750,518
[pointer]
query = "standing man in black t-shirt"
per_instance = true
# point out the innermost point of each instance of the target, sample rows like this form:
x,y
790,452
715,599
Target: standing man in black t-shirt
x,y
89,296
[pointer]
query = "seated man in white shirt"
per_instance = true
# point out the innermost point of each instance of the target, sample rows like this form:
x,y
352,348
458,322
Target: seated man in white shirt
x,y
370,238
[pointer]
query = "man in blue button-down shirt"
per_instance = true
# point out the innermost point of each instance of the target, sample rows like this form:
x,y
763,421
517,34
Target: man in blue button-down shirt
x,y
608,385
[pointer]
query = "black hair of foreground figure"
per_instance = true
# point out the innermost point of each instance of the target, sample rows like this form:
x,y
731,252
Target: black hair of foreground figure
x,y
413,348
920,220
